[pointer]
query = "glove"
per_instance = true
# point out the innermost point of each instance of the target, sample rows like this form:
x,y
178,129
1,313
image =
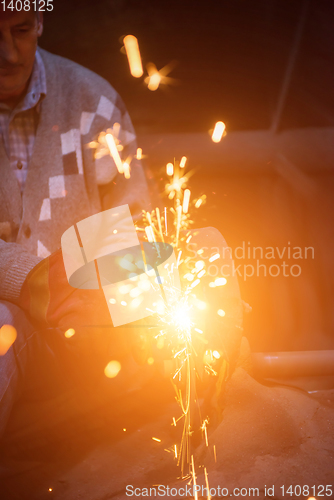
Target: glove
x,y
50,301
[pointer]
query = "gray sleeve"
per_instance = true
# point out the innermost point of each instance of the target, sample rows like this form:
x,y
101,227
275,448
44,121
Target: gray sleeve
x,y
15,264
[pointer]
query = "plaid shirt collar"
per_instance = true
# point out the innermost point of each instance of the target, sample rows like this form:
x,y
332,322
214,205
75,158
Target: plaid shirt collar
x,y
36,89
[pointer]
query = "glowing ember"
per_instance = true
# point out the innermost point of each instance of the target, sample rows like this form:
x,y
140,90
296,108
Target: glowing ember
x,y
157,440
126,168
220,281
69,333
186,198
157,77
183,161
133,54
139,153
170,169
218,132
154,81
112,369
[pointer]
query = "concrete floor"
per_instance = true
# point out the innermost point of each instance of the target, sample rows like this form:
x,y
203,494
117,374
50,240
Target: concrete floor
x,y
269,436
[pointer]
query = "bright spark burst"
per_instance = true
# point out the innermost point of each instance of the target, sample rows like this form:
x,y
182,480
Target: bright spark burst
x,y
180,312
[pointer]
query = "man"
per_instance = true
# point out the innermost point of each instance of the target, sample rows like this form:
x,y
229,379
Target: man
x,y
51,110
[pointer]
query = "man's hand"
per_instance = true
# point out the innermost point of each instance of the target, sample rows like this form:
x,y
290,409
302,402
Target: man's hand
x,y
50,301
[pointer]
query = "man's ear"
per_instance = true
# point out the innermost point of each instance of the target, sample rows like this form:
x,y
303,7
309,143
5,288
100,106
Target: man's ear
x,y
40,24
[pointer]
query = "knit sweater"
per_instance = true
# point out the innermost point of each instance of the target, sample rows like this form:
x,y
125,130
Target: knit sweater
x,y
62,185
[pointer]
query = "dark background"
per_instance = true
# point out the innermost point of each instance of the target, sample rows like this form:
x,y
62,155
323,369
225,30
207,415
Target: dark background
x,y
230,61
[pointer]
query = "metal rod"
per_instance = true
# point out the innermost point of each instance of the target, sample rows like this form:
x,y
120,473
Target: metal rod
x,y
293,364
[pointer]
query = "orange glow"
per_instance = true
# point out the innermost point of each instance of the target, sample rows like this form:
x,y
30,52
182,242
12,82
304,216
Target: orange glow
x,y
8,336
186,198
112,369
114,153
69,333
170,169
218,131
139,153
221,313
133,54
157,440
183,161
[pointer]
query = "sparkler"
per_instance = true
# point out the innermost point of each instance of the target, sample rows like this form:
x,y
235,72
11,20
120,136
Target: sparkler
x,y
179,312
180,318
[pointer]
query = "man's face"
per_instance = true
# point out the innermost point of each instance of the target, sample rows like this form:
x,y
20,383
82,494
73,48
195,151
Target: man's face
x,y
19,32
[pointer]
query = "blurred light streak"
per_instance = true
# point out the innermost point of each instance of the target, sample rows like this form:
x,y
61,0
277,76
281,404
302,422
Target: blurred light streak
x,y
218,132
154,81
114,153
133,54
126,168
170,169
207,484
220,281
186,199
183,161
